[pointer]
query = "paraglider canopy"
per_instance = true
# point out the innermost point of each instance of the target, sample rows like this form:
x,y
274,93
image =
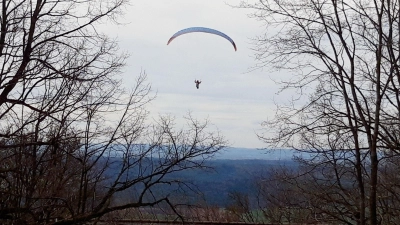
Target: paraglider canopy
x,y
204,30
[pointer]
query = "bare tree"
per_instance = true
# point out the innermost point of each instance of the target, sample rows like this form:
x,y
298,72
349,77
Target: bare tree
x,y
73,141
281,201
345,56
241,207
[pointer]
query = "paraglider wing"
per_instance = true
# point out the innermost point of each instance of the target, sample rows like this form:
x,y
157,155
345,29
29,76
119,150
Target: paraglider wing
x,y
204,30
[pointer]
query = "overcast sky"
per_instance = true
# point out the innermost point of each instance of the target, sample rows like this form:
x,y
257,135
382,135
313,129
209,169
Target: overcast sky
x,y
233,97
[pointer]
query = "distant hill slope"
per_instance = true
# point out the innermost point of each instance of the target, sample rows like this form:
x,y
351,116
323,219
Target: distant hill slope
x,y
253,153
233,170
230,176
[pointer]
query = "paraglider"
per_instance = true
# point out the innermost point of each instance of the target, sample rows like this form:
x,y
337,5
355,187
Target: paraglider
x,y
204,30
198,82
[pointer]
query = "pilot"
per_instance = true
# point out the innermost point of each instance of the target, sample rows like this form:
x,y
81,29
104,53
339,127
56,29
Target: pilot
x,y
197,83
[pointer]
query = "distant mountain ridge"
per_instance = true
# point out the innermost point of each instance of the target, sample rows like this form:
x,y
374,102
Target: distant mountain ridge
x,y
233,170
232,153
